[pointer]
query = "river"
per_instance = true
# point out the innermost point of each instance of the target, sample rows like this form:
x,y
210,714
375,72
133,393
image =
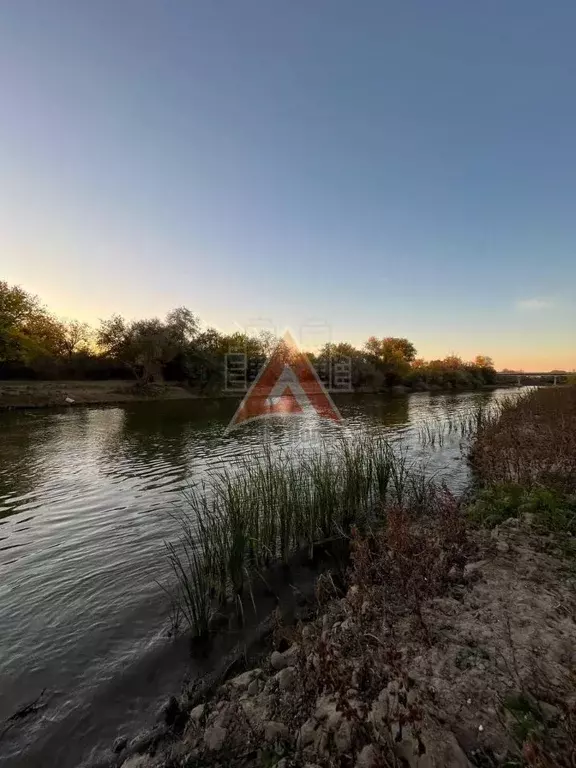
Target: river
x,y
87,498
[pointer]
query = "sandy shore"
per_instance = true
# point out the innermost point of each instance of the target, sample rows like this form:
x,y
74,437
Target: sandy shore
x,y
42,394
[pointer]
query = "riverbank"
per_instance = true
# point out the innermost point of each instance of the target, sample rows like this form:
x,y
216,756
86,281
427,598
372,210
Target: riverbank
x,y
449,643
50,394
471,668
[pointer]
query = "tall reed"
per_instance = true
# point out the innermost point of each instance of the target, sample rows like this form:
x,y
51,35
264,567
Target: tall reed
x,y
246,517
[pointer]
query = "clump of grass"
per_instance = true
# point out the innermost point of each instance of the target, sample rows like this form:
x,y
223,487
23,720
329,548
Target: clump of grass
x,y
466,424
550,510
191,595
242,520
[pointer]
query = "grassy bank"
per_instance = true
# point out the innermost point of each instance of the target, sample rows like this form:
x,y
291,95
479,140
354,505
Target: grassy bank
x,y
449,642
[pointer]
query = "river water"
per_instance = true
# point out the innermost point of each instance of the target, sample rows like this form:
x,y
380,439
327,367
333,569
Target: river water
x,y
87,498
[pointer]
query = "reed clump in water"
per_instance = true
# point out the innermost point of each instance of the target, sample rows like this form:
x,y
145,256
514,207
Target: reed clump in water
x,y
243,520
466,424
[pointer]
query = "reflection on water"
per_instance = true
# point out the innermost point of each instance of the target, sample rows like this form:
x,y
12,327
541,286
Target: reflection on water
x,y
86,500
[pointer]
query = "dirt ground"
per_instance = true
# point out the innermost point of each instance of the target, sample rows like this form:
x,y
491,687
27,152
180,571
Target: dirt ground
x,y
41,394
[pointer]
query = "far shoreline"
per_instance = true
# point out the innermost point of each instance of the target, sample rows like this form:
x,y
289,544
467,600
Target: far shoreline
x,y
24,395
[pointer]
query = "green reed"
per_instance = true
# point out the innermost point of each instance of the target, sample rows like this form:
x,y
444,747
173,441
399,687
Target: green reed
x,y
243,519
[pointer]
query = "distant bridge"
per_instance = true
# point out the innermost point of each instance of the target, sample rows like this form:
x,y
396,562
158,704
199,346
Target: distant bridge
x,y
552,376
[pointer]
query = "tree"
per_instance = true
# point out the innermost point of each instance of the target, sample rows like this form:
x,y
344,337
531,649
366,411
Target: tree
x,y
17,307
391,349
42,335
183,325
112,336
27,330
342,349
403,347
268,342
75,336
453,363
483,361
147,346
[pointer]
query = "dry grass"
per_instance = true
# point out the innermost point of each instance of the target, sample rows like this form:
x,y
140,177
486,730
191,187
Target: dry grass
x,y
531,443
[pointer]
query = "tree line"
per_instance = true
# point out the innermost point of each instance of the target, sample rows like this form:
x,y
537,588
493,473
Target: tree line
x,y
34,344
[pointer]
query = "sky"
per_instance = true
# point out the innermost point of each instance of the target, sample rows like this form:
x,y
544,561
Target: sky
x,y
343,169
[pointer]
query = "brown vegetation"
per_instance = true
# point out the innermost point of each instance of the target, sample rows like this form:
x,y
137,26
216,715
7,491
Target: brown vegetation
x,y
531,443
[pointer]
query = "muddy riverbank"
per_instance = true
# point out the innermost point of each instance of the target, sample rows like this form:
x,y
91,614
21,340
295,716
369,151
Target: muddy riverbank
x,y
17,395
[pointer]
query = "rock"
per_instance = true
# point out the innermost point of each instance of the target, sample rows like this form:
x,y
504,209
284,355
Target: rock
x,y
453,754
143,741
327,713
278,661
242,682
307,733
454,574
119,744
322,745
225,715
285,678
253,688
343,737
291,655
215,737
368,757
168,712
256,708
378,715
406,746
502,546
197,713
274,731
282,763
411,697
138,761
177,753
473,569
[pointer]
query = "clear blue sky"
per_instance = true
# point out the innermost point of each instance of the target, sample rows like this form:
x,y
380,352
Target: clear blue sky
x,y
389,168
